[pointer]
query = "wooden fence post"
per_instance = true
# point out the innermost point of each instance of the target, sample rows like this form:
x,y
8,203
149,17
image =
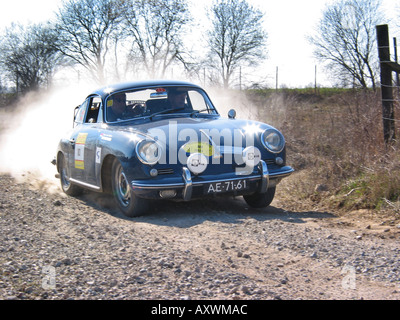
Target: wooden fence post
x,y
386,83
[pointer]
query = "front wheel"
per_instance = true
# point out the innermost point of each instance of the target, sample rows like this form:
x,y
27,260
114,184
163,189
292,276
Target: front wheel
x,y
260,200
126,200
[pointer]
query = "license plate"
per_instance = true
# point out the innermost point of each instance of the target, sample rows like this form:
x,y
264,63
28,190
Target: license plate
x,y
227,186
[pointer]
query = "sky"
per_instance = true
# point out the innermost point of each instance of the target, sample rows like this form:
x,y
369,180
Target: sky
x,y
287,23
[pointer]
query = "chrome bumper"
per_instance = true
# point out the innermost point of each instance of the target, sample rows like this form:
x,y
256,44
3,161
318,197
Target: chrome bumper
x,y
188,184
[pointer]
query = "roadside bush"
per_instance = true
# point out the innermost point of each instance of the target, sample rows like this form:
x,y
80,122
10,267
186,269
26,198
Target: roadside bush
x,y
335,143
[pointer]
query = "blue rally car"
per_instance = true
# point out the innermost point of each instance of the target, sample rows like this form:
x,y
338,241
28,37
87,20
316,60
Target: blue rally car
x,y
142,141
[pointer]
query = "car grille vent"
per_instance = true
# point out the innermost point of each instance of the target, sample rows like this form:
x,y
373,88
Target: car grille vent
x,y
171,171
269,161
165,171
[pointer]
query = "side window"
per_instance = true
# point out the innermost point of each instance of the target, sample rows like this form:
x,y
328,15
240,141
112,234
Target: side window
x,y
80,115
93,110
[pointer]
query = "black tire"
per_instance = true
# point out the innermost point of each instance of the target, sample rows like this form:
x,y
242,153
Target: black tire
x,y
260,200
66,185
129,204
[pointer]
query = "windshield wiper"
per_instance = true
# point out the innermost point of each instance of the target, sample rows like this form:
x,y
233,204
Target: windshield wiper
x,y
164,112
198,111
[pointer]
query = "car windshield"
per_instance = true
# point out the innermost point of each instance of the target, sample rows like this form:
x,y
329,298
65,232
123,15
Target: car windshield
x,y
156,102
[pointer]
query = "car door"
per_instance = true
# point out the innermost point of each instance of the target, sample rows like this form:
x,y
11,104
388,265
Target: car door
x,y
83,139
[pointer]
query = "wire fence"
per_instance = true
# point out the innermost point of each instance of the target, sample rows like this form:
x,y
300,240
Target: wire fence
x,y
396,99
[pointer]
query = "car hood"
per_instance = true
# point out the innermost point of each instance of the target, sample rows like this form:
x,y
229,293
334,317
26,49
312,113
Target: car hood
x,y
200,129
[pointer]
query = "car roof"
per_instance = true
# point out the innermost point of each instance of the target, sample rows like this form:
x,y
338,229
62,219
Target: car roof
x,y
106,90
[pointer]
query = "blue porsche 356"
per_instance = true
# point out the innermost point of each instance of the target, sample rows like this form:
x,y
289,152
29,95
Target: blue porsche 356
x,y
165,140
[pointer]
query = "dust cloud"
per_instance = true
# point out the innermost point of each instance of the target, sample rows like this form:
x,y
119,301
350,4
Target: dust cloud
x,y
224,100
30,132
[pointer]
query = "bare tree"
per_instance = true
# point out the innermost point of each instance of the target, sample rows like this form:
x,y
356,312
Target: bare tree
x,y
86,29
237,37
29,58
345,39
157,29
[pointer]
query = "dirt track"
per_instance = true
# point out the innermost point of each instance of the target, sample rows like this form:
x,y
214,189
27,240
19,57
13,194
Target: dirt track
x,y
59,247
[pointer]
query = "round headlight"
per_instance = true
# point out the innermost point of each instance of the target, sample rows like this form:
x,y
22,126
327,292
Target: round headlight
x,y
273,140
149,152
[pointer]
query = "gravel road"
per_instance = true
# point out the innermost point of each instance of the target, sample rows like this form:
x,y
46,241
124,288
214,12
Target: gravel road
x,y
59,247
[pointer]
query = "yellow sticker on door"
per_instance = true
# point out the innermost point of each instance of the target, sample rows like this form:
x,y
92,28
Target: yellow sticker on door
x,y
80,151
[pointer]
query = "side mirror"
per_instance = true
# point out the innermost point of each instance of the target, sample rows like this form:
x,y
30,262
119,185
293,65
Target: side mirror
x,y
232,114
